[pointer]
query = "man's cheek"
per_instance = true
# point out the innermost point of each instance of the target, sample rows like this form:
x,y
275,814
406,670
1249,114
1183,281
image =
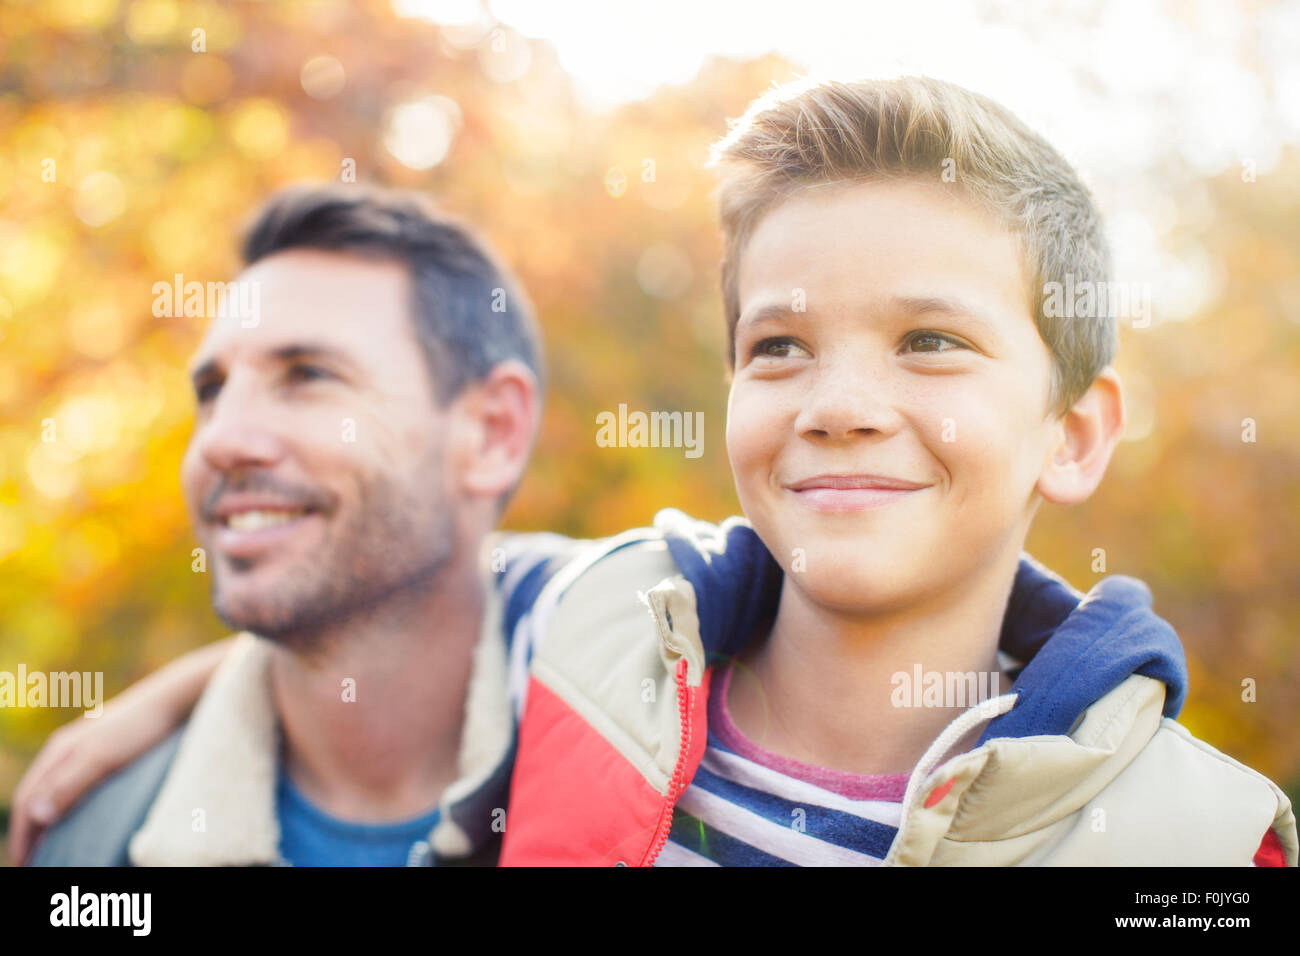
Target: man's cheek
x,y
192,491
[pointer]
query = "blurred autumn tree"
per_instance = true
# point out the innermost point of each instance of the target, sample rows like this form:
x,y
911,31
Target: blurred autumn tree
x,y
1203,501
128,156
135,137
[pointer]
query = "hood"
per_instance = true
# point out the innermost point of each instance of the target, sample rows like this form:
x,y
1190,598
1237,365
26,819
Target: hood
x,y
1076,647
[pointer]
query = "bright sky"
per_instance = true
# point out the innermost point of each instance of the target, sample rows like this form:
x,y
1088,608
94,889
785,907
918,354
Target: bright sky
x,y
1117,85
1208,65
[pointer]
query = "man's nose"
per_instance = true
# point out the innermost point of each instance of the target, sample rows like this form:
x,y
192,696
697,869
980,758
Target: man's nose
x,y
241,428
849,396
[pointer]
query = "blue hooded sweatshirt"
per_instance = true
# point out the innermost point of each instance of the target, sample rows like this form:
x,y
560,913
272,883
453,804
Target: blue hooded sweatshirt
x,y
1076,647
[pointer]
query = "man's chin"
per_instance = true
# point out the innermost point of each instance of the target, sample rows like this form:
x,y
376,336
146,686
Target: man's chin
x,y
299,609
259,623
263,615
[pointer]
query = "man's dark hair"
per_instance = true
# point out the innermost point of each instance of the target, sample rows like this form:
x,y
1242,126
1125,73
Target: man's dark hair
x,y
468,311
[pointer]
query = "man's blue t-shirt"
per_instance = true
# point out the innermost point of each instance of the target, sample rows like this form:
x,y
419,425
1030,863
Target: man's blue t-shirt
x,y
309,837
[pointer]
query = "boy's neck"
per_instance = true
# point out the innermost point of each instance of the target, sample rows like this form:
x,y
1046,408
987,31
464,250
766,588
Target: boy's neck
x,y
822,687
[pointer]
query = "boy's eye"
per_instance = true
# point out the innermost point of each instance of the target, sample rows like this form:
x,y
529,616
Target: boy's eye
x,y
776,348
929,340
206,391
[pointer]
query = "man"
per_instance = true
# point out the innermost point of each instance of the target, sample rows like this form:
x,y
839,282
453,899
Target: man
x,y
354,444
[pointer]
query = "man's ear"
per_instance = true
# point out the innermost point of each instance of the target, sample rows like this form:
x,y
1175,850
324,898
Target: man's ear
x,y
1086,437
496,421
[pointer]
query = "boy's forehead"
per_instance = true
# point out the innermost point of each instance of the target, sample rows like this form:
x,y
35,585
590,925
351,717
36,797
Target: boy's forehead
x,y
882,244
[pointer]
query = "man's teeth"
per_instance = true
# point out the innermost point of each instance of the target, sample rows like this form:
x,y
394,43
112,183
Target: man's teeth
x,y
256,520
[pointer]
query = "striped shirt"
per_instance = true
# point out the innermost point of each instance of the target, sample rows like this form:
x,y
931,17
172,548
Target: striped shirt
x,y
747,806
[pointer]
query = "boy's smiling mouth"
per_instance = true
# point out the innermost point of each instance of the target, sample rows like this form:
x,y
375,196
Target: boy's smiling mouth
x,y
851,492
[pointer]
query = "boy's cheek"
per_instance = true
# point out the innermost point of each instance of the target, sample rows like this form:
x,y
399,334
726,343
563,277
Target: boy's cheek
x,y
753,439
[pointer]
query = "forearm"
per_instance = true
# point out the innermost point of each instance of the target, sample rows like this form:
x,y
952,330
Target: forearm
x,y
172,691
81,753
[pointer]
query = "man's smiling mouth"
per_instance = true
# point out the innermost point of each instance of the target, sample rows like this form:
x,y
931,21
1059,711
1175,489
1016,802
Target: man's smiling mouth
x,y
248,525
256,519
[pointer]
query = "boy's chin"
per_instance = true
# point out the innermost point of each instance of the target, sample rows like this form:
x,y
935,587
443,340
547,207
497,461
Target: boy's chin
x,y
846,580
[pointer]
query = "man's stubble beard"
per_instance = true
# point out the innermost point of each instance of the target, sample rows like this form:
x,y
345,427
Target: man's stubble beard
x,y
386,556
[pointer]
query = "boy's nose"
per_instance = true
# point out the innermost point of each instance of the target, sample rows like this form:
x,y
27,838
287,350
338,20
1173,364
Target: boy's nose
x,y
847,399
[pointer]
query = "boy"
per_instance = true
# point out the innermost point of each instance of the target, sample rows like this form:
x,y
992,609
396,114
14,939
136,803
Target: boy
x,y
901,402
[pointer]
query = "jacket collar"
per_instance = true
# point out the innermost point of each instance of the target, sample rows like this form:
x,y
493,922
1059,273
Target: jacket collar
x,y
217,803
1077,647
1102,669
1008,786
1012,787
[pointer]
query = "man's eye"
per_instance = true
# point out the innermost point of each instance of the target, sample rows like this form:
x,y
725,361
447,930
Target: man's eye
x,y
307,373
776,348
929,340
206,391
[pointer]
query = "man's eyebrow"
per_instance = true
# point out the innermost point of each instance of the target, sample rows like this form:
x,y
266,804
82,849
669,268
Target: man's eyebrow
x,y
312,350
294,352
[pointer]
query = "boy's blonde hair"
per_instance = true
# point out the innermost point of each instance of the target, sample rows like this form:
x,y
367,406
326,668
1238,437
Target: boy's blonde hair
x,y
919,127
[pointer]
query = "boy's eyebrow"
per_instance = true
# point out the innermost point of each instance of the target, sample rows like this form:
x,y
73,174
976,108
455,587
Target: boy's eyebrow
x,y
768,313
920,305
905,304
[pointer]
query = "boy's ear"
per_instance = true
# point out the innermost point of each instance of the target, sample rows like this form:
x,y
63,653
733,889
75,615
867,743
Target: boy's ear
x,y
1085,438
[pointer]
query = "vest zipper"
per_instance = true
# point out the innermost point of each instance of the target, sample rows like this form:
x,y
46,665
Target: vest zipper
x,y
676,785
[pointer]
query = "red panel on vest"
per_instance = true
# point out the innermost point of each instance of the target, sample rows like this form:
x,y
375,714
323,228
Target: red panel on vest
x,y
1270,852
574,800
